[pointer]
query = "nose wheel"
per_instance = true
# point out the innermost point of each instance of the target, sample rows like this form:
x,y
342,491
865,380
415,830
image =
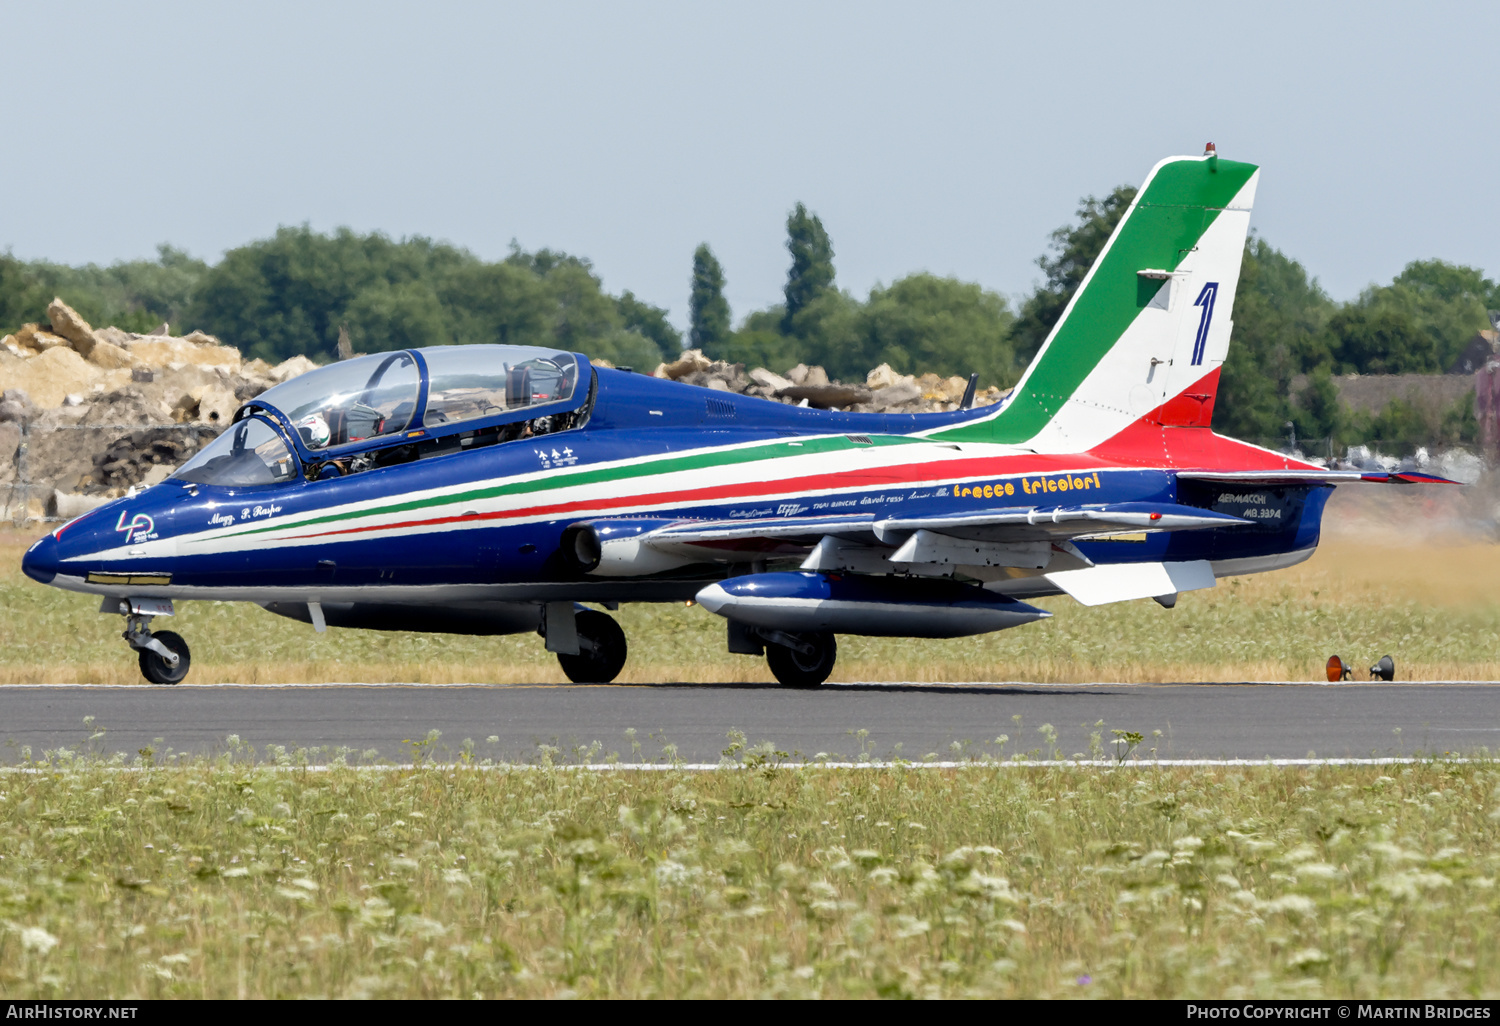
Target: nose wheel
x,y
154,666
164,656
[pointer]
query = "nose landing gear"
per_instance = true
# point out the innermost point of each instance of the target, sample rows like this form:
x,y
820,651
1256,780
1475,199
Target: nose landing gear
x,y
164,656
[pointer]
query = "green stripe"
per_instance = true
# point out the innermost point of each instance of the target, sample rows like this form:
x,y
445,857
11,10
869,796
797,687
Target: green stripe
x,y
1179,203
692,461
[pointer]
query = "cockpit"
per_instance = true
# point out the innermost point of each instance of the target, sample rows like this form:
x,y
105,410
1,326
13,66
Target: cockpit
x,y
390,408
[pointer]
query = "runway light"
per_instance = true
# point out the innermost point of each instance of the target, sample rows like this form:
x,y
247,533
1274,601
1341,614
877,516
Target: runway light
x,y
690,603
1385,669
1337,671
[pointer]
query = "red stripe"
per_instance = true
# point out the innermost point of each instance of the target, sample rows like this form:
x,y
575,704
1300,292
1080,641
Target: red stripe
x,y
1151,443
884,477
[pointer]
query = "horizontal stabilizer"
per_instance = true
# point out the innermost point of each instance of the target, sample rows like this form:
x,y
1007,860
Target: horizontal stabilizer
x,y
1120,582
1284,477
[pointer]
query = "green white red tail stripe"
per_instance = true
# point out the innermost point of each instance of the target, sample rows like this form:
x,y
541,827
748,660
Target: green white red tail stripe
x,y
1148,329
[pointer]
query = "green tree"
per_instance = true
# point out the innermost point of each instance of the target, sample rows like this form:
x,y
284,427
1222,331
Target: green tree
x,y
811,273
406,315
1446,302
708,310
1380,339
288,294
1280,314
1318,414
923,323
760,343
502,302
650,322
828,333
22,298
136,295
1074,248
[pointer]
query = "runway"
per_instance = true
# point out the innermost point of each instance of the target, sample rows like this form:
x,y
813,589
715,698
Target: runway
x,y
910,721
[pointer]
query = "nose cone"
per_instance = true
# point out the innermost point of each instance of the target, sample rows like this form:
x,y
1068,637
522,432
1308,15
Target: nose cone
x,y
42,560
713,598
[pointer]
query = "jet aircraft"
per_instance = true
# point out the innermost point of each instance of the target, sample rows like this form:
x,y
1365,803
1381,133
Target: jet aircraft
x,y
495,489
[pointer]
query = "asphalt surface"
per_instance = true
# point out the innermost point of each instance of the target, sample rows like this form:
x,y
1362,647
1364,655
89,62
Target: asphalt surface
x,y
1195,720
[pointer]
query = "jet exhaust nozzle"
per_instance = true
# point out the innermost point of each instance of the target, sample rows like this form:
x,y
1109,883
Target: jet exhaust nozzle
x,y
617,548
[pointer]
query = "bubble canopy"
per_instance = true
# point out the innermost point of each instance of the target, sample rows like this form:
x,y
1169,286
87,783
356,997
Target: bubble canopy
x,y
385,397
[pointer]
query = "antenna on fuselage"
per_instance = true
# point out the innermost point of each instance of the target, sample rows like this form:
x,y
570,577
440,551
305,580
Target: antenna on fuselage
x,y
968,399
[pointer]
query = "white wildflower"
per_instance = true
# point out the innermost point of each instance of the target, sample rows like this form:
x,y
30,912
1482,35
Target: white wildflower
x,y
37,940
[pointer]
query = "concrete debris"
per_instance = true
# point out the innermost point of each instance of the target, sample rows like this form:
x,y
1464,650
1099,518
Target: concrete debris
x,y
827,396
689,362
102,410
67,323
770,380
111,357
284,371
884,377
899,394
214,405
113,335
883,390
86,413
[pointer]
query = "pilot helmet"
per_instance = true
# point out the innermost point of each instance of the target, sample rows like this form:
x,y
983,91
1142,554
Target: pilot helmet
x,y
314,430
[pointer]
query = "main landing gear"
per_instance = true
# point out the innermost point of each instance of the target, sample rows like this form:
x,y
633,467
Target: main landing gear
x,y
801,660
798,659
164,656
589,645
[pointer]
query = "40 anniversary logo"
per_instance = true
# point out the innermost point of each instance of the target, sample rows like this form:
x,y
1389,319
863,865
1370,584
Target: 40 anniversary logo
x,y
140,528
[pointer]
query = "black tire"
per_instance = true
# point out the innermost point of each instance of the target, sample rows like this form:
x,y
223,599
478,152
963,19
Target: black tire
x,y
155,669
796,670
605,662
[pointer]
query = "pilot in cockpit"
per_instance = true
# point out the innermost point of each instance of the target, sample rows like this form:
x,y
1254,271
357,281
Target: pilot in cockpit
x,y
314,431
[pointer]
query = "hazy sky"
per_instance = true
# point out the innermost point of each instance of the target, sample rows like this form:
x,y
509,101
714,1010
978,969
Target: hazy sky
x,y
949,137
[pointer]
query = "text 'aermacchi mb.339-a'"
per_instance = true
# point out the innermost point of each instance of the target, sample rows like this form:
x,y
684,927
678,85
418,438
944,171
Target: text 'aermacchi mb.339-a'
x,y
493,489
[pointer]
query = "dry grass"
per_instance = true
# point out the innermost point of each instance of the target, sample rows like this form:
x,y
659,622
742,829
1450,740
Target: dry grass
x,y
1401,571
221,880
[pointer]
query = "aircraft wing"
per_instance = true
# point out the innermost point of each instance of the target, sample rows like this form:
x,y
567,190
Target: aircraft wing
x,y
1006,524
1052,523
1022,537
746,533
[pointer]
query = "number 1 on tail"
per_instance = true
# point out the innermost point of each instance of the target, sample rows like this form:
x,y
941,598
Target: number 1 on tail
x,y
1206,300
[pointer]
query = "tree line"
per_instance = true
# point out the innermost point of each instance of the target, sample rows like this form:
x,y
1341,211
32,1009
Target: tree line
x,y
293,292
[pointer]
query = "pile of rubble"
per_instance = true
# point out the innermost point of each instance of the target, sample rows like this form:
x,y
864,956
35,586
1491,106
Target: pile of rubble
x,y
883,390
86,413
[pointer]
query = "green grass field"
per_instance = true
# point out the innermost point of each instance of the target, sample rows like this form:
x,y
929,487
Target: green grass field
x,y
250,875
217,879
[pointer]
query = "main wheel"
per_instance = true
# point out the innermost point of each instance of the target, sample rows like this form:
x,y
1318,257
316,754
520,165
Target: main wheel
x,y
798,670
607,658
155,669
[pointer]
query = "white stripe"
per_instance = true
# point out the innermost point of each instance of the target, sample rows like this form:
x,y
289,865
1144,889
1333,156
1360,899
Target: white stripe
x,y
704,767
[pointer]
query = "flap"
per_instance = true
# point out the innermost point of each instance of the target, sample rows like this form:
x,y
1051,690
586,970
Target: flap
x,y
1120,582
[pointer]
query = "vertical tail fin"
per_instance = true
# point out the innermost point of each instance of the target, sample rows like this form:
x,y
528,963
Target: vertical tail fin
x,y
1147,331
